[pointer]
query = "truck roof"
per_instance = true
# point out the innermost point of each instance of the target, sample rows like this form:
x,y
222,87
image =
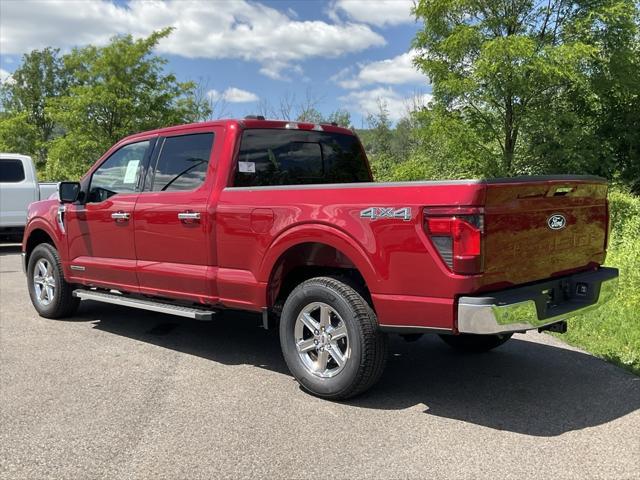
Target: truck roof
x,y
249,123
17,156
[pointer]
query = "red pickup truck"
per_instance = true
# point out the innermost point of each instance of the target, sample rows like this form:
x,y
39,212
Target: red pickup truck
x,y
284,219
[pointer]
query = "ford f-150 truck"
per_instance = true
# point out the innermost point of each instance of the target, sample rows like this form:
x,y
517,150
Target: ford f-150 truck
x,y
283,219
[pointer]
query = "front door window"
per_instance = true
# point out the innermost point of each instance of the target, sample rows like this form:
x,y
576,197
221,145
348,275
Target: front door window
x,y
119,173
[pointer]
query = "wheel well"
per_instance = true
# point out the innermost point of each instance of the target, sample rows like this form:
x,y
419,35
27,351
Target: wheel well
x,y
36,238
308,260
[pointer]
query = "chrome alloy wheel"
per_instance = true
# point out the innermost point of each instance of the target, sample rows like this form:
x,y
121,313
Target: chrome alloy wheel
x,y
44,283
322,340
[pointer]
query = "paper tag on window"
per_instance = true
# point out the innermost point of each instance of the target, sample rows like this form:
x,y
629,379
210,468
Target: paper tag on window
x,y
132,172
247,167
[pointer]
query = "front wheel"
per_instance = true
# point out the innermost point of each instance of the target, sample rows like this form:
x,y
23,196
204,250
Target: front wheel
x,y
467,342
50,294
330,339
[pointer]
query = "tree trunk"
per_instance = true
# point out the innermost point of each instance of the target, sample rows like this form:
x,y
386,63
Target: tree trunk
x,y
510,137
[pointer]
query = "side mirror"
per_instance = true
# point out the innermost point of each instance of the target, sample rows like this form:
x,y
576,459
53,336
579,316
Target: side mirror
x,y
69,192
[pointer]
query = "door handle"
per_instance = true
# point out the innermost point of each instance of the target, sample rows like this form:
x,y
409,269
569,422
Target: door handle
x,y
189,216
120,216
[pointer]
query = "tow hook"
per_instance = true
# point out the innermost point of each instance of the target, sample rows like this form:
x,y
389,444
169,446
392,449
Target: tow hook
x,y
558,327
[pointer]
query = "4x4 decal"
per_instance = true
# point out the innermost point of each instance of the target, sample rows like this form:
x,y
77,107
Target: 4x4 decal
x,y
374,213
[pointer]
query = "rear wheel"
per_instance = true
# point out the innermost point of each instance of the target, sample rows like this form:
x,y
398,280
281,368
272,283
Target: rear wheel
x,y
330,339
50,294
466,342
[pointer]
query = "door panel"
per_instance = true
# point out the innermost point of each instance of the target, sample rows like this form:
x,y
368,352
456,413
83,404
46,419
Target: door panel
x,y
102,245
174,236
100,233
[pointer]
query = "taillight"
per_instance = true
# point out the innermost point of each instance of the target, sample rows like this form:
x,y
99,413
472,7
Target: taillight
x,y
457,235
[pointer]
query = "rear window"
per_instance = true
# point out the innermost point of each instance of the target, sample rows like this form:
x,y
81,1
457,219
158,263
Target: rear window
x,y
299,157
11,171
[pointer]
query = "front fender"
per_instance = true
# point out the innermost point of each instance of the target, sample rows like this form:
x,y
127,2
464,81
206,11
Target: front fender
x,y
42,216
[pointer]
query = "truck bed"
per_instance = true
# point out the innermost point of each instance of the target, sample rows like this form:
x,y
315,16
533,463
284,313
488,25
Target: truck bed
x,y
399,262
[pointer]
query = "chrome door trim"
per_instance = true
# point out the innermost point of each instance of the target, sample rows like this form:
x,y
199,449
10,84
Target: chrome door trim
x,y
189,216
120,215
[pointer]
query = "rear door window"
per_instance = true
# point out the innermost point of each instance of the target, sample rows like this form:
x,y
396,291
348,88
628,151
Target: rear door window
x,y
298,157
183,162
11,171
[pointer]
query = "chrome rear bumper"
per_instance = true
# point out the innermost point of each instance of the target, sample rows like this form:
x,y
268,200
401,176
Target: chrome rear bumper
x,y
23,261
536,305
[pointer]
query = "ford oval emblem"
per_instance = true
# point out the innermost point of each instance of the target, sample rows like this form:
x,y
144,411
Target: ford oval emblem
x,y
556,221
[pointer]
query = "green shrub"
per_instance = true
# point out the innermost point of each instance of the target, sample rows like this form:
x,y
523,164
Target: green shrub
x,y
613,331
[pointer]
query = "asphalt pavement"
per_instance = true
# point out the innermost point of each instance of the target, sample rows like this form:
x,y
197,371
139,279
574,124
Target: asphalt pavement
x,y
116,393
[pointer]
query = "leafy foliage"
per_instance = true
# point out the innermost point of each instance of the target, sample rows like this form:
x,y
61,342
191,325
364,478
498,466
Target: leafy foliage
x,y
117,90
340,117
26,125
67,111
613,331
538,87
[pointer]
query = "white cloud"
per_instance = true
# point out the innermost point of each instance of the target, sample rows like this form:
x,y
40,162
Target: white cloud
x,y
237,95
5,77
379,13
367,102
233,95
238,29
392,71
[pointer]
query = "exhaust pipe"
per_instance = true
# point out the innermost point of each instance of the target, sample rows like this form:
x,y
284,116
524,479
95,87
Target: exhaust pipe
x,y
558,327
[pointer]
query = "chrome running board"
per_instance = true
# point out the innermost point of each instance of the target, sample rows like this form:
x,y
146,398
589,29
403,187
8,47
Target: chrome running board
x,y
154,306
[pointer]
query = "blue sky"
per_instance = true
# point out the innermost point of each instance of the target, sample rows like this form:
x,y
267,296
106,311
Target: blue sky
x,y
247,55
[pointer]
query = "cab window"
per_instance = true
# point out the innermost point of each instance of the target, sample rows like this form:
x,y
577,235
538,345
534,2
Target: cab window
x,y
271,157
183,162
119,173
11,171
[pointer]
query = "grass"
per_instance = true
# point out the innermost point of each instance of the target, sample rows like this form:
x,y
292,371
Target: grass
x,y
612,332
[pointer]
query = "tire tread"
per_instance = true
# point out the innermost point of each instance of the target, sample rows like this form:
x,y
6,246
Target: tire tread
x,y
374,342
66,304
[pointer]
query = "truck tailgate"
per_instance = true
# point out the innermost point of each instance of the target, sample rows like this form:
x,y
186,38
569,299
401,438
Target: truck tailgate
x,y
540,228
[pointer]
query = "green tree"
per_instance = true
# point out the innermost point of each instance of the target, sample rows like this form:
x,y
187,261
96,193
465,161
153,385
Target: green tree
x,y
117,90
341,117
595,126
378,142
518,73
310,115
17,134
26,125
403,139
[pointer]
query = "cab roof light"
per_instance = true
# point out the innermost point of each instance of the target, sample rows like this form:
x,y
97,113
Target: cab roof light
x,y
304,126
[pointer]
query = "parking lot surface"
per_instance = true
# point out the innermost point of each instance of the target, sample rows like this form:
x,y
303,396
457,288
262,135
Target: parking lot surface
x,y
127,394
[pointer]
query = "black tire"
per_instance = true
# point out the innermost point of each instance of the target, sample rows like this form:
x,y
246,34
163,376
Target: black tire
x,y
466,342
63,303
368,346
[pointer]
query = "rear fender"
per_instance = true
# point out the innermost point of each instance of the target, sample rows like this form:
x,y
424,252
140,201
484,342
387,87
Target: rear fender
x,y
324,234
